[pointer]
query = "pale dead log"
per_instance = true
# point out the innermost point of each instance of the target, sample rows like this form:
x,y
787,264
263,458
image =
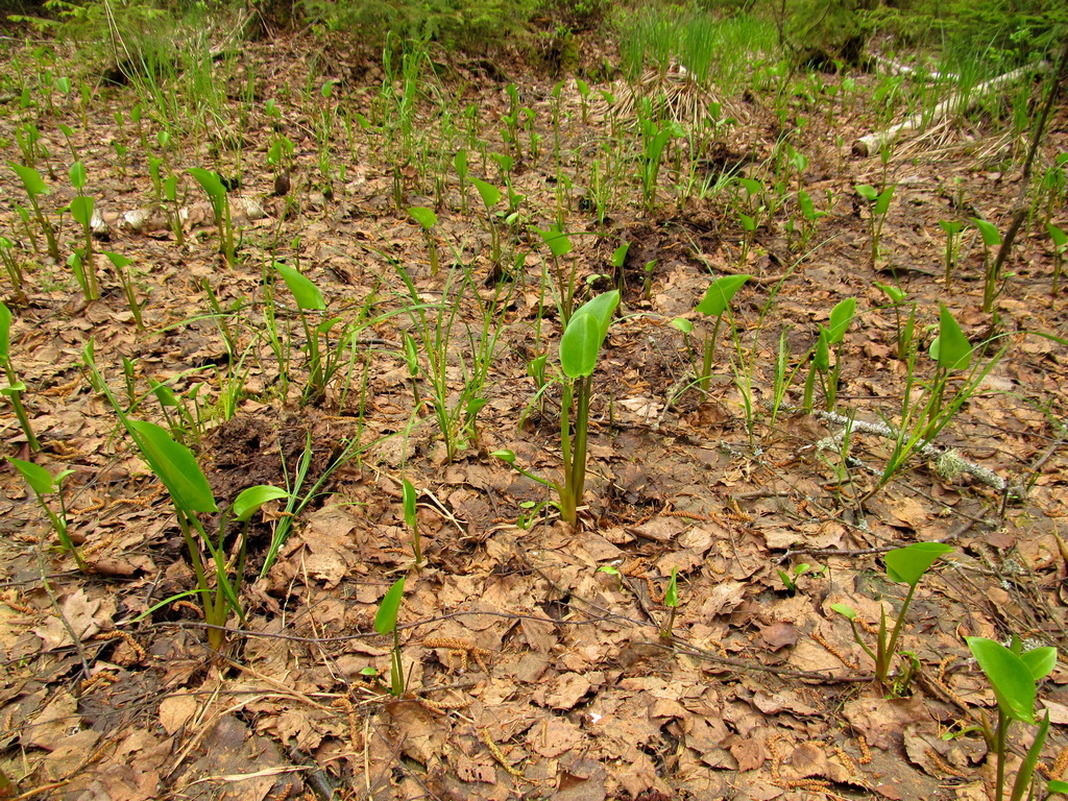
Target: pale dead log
x,y
891,66
958,103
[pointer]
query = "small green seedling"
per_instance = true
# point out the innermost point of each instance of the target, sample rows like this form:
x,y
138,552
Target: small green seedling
x,y
81,209
904,565
212,184
491,196
411,519
789,577
580,348
428,219
323,360
175,465
42,483
1014,675
1060,246
120,264
991,239
810,217
830,337
15,387
906,328
671,601
11,265
879,203
612,570
714,304
559,244
35,187
386,623
952,229
655,138
921,421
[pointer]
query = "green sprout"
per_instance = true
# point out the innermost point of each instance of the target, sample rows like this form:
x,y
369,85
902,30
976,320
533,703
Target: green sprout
x,y
789,577
411,519
35,187
15,387
323,358
879,204
1014,675
904,330
212,184
671,601
829,337
715,303
904,565
428,219
952,229
580,347
1060,246
991,239
386,623
43,483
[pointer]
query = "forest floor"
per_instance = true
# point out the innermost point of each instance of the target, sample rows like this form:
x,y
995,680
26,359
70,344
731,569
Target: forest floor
x,y
531,672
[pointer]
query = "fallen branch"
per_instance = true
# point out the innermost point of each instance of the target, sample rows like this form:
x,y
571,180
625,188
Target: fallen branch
x,y
958,103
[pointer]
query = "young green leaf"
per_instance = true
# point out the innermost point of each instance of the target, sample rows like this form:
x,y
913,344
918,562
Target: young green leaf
x,y
409,496
5,333
386,619
210,183
950,348
718,296
585,333
907,565
559,243
822,357
307,294
848,612
989,232
174,465
619,255
491,195
671,596
1009,676
841,316
424,216
250,499
1059,237
31,179
81,209
868,192
882,204
39,479
896,294
78,177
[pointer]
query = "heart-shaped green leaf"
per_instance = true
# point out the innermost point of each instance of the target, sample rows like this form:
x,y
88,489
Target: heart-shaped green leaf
x,y
951,349
424,216
718,296
908,564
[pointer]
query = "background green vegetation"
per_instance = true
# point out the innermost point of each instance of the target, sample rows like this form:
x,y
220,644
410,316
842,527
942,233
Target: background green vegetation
x,y
998,33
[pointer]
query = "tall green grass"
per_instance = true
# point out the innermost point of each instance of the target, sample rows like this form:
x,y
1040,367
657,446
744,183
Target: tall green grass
x,y
716,51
